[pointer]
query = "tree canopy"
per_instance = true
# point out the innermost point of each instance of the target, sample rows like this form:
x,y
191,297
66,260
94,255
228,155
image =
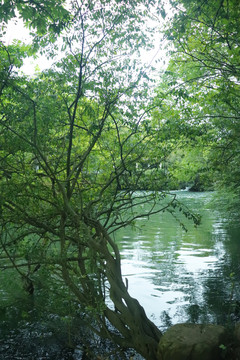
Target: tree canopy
x,y
72,136
202,82
82,137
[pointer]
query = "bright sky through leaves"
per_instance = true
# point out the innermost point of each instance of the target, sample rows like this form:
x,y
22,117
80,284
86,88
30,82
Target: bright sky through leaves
x,y
17,31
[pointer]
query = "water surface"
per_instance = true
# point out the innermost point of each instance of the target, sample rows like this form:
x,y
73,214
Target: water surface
x,y
177,276
181,276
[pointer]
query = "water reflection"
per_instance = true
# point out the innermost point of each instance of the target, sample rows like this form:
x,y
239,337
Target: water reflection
x,y
176,276
183,276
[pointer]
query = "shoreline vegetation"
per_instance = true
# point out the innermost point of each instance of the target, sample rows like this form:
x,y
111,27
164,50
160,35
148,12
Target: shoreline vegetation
x,y
80,138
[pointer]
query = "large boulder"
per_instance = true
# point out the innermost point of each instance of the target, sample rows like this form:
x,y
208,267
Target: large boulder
x,y
237,341
237,333
192,342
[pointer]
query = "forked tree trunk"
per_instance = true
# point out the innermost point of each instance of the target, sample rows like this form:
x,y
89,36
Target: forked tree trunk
x,y
128,317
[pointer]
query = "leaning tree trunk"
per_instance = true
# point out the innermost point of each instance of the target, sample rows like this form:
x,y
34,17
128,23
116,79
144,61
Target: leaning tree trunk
x,y
128,317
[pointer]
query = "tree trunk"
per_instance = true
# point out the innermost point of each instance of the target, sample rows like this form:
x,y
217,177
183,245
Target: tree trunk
x,y
128,317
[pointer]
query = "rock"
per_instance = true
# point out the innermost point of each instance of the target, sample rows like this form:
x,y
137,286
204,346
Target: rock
x,y
236,354
192,342
237,333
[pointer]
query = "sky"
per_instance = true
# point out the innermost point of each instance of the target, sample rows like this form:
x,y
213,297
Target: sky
x,y
17,31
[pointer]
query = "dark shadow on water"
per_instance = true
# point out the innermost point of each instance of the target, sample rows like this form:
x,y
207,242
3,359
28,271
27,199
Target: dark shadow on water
x,y
26,334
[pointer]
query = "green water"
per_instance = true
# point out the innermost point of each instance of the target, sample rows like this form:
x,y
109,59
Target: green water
x,y
183,276
177,276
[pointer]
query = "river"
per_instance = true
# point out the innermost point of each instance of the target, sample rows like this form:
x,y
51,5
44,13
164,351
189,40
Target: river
x,y
181,276
177,276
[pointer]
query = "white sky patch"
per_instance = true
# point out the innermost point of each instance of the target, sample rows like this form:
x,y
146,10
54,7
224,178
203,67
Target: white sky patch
x,y
15,30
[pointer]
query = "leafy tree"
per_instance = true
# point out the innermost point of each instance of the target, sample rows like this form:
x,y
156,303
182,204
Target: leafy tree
x,y
71,137
202,82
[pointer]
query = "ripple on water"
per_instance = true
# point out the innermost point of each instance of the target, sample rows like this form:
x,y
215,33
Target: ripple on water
x,y
170,270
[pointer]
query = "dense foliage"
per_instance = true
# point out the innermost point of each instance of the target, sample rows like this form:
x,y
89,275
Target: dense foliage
x,y
79,140
200,89
71,137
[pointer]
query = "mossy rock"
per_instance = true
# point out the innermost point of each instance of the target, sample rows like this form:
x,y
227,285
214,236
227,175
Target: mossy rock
x,y
192,342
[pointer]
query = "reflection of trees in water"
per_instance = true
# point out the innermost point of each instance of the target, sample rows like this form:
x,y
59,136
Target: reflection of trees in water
x,y
222,288
203,294
215,296
166,320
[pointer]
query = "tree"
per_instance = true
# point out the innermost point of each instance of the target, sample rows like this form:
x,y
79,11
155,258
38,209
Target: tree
x,y
72,134
202,82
